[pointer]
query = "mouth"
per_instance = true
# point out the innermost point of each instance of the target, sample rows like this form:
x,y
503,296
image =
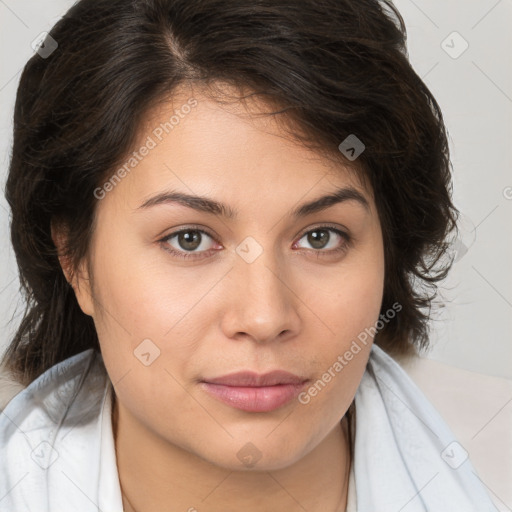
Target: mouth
x,y
250,392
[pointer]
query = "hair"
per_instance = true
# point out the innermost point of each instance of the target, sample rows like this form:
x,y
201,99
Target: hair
x,y
334,68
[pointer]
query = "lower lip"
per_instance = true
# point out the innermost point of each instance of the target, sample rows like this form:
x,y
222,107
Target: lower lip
x,y
254,399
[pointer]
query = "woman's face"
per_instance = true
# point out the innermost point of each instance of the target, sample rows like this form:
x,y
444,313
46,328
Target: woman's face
x,y
261,290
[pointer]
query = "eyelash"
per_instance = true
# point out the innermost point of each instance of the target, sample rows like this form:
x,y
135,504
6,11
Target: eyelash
x,y
347,240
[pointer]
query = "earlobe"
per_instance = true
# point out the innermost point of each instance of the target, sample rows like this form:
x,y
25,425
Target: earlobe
x,y
80,281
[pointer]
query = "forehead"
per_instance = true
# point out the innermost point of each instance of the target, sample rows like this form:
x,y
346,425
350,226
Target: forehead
x,y
215,144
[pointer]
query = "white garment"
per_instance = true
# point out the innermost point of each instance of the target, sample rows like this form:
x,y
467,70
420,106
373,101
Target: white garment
x,y
57,449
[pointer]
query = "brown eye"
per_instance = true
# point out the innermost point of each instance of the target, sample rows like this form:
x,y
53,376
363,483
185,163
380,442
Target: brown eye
x,y
186,242
321,239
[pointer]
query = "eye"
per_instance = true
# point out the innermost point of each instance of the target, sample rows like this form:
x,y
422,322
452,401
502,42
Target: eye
x,y
323,242
186,242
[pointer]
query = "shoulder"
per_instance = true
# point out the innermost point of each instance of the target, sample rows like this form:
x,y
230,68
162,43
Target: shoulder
x,y
52,423
478,409
55,376
62,382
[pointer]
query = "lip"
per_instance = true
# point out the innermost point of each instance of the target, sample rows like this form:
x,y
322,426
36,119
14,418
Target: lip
x,y
251,392
253,379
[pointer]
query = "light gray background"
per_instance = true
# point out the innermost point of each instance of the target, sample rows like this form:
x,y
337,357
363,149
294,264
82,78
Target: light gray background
x,y
474,90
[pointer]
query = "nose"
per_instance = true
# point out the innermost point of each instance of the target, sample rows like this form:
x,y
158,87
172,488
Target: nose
x,y
264,305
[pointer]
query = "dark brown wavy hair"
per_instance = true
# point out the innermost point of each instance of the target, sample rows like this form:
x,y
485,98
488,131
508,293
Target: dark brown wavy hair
x,y
333,67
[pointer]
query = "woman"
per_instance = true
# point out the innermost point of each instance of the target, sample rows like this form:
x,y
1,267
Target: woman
x,y
227,216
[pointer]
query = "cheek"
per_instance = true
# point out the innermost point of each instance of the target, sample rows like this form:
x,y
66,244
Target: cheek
x,y
140,292
350,300
341,356
350,304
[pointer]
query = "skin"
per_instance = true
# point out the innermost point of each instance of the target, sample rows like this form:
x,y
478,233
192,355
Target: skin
x,y
291,308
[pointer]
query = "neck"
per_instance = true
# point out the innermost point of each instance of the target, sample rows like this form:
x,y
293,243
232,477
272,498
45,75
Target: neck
x,y
156,475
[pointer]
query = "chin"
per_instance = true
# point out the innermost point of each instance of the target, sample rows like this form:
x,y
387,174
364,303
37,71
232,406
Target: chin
x,y
253,456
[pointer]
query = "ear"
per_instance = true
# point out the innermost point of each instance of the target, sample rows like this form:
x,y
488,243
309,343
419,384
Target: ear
x,y
80,281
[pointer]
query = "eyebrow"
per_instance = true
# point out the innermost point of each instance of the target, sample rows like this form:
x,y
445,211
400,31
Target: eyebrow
x,y
207,205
